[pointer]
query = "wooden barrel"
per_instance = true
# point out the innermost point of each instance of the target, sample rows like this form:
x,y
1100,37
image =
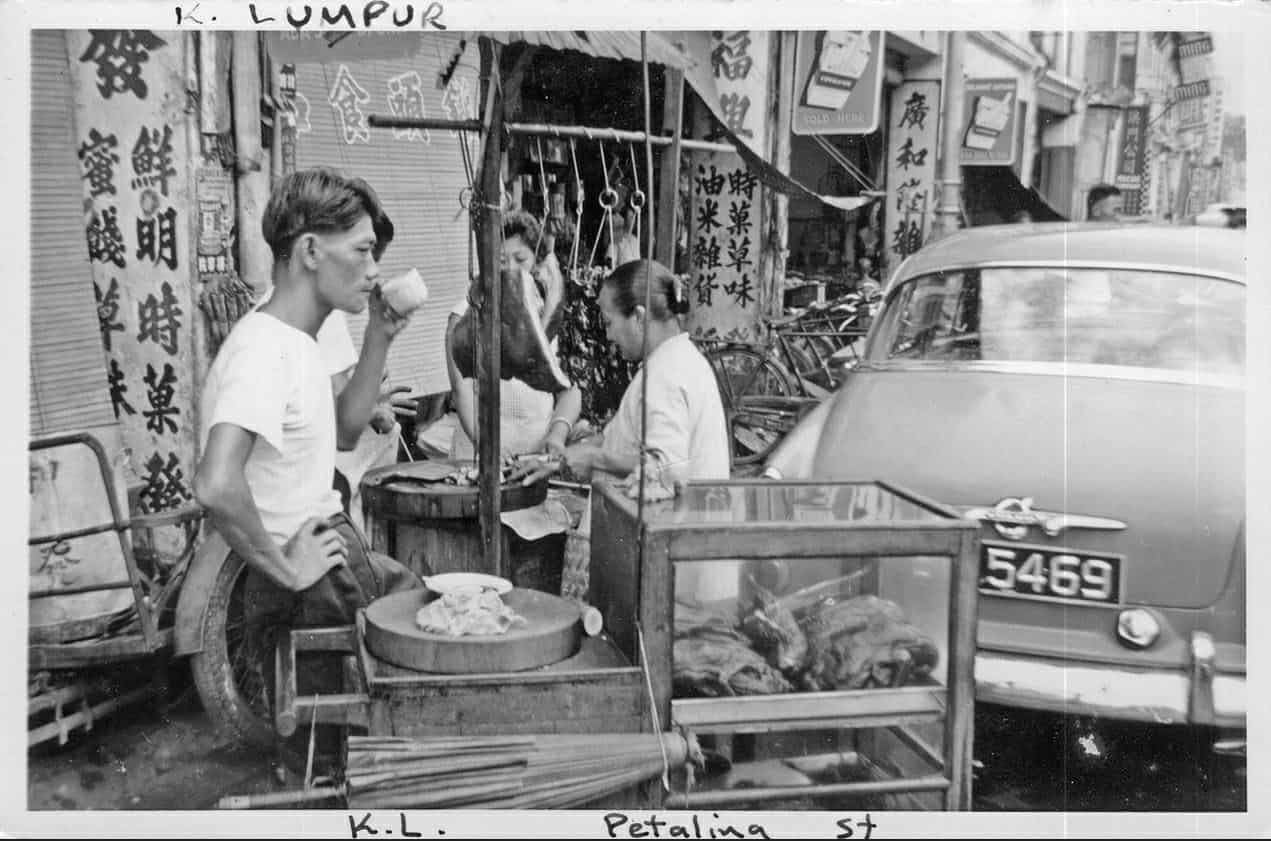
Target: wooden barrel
x,y
420,522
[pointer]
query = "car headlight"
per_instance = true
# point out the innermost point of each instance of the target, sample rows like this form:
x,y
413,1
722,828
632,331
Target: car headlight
x,y
1137,628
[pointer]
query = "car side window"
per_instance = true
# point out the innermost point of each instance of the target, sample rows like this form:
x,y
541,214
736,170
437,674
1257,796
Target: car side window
x,y
1075,316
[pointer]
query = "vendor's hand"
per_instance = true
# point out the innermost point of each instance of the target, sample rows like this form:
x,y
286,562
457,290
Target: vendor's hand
x,y
581,459
313,550
531,470
554,446
381,317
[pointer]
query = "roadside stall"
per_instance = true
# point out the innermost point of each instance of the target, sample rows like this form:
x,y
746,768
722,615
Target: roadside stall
x,y
827,630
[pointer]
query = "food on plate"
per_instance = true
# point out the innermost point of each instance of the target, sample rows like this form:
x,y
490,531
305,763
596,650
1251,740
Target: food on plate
x,y
470,611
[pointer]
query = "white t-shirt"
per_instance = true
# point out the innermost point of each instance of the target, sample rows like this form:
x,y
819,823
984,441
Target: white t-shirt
x,y
272,379
335,342
686,426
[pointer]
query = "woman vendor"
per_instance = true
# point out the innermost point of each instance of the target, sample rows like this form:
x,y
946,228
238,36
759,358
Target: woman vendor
x,y
685,433
530,421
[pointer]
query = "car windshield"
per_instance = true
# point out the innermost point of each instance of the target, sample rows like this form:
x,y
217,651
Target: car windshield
x,y
1140,319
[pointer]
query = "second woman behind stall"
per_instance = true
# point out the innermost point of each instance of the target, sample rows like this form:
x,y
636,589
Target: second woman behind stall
x,y
685,433
530,421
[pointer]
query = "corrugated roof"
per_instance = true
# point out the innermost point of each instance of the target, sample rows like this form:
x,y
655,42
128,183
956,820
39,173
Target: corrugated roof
x,y
615,44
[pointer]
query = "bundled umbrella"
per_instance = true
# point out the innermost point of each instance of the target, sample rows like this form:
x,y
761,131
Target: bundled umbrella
x,y
553,771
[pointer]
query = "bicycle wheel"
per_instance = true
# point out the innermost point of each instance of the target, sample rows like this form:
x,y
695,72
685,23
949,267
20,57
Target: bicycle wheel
x,y
230,677
745,377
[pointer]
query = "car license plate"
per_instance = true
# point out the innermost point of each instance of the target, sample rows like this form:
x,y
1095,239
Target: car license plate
x,y
1042,572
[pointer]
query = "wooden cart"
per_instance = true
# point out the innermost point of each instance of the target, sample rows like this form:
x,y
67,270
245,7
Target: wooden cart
x,y
915,738
104,587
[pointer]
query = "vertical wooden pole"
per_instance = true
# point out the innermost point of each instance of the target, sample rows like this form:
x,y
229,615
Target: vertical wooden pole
x,y
960,710
778,226
668,194
488,221
255,261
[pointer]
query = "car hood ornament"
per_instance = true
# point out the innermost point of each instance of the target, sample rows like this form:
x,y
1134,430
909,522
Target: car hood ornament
x,y
1012,517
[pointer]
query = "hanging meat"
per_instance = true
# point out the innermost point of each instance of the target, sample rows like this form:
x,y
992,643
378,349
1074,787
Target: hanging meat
x,y
526,353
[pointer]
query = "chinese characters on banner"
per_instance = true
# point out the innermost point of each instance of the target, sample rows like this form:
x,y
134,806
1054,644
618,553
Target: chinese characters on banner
x,y
129,88
989,126
911,168
839,82
724,224
724,237
1131,158
734,82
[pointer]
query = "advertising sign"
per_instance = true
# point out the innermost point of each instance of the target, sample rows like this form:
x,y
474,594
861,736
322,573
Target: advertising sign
x,y
839,82
989,124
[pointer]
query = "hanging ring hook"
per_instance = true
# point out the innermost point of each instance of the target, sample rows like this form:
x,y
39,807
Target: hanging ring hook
x,y
637,199
609,199
465,198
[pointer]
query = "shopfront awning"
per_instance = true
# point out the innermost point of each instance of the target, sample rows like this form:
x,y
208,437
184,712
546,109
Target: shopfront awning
x,y
993,195
345,46
615,44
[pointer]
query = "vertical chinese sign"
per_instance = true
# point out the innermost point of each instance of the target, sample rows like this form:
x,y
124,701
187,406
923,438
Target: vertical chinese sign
x,y
725,222
129,90
911,168
1130,159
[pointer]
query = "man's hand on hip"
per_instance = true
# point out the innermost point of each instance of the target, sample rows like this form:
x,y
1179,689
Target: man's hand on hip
x,y
313,550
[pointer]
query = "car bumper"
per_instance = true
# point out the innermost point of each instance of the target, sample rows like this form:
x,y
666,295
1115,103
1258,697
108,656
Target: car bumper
x,y
1200,695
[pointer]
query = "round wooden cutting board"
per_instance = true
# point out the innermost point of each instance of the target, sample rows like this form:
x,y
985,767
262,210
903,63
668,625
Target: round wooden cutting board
x,y
552,632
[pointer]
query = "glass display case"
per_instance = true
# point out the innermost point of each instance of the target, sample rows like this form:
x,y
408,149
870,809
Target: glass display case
x,y
818,638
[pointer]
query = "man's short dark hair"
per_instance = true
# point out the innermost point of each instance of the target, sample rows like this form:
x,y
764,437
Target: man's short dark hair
x,y
1098,193
321,200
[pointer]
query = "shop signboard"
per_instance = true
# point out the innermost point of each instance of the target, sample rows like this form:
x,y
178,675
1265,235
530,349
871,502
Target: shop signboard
x,y
1133,142
912,130
989,128
129,89
734,81
839,82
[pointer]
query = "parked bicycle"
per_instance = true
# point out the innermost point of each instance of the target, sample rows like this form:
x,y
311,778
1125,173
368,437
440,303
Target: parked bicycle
x,y
767,387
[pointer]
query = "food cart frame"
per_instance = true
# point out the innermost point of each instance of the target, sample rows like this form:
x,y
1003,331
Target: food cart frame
x,y
618,578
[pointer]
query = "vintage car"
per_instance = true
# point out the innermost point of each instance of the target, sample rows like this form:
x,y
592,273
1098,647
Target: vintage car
x,y
1078,390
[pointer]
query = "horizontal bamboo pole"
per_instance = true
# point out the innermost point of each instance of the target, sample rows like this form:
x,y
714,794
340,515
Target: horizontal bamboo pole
x,y
274,799
546,130
733,797
85,717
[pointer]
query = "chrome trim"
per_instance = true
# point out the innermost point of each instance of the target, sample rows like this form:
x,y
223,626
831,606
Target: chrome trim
x,y
1058,369
1022,515
1156,696
1200,698
1164,268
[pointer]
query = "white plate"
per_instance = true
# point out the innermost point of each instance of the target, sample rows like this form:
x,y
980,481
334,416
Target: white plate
x,y
451,581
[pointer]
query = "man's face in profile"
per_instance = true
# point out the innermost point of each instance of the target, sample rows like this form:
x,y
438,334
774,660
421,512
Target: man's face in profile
x,y
1107,209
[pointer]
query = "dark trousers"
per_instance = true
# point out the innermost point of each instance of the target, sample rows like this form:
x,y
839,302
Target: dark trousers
x,y
270,610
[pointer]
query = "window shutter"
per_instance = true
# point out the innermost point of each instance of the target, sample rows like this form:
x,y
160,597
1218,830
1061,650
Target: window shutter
x,y
68,388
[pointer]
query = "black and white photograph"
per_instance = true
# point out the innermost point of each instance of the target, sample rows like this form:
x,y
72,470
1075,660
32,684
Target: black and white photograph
x,y
644,429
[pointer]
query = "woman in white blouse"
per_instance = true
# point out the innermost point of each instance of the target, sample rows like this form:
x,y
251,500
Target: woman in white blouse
x,y
685,433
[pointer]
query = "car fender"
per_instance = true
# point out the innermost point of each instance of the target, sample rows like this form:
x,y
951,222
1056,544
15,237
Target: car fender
x,y
196,589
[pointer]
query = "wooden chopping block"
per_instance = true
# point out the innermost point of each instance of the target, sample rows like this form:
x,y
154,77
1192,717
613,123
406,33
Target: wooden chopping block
x,y
552,632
